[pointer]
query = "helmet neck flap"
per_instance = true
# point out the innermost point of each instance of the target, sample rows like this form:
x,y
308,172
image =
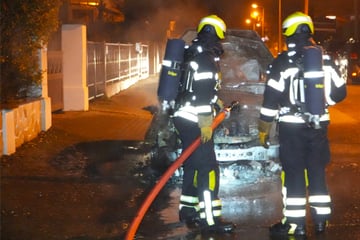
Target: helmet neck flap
x,y
299,40
209,42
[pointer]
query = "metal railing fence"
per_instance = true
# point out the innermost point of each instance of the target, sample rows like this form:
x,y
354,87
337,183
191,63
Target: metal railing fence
x,y
55,79
109,63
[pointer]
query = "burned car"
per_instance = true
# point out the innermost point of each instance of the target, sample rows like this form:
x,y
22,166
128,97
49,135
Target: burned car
x,y
243,67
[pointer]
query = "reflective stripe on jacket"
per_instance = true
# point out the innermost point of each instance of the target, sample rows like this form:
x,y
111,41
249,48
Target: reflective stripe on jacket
x,y
279,100
202,95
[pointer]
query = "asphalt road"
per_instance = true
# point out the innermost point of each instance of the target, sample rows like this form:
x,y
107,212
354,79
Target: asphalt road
x,y
253,208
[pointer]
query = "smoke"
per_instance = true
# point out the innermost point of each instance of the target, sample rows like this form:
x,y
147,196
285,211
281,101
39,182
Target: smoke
x,y
148,20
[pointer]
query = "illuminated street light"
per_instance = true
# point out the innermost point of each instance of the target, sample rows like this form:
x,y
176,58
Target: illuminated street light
x,y
250,22
89,3
256,14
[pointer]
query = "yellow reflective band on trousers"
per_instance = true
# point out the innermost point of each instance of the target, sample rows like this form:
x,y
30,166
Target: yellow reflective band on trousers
x,y
216,213
195,179
189,202
322,210
293,207
295,201
306,178
305,175
295,213
321,204
216,209
209,208
189,199
319,199
212,180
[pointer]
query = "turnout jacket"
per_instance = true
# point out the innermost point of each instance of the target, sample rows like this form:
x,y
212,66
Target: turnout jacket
x,y
282,73
203,83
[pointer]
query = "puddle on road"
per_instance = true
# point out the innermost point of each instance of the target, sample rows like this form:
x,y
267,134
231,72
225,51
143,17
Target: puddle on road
x,y
249,193
104,159
248,188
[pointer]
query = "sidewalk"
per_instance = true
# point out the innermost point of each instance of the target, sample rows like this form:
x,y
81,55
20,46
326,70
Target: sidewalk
x,y
48,191
122,117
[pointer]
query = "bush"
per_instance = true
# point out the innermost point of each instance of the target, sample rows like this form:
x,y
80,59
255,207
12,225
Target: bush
x,y
25,26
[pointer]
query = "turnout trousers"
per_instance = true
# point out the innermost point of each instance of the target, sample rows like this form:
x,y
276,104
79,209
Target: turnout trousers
x,y
200,186
304,154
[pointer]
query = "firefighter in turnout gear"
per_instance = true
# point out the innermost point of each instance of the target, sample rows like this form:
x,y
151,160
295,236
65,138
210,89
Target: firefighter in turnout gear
x,y
200,205
301,83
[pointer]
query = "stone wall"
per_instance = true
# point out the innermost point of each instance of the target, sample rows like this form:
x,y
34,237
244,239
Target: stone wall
x,y
27,122
20,125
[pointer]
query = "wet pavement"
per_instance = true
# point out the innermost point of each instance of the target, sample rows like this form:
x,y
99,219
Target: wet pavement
x,y
86,177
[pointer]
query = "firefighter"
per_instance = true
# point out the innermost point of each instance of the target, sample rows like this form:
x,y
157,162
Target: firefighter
x,y
200,205
304,147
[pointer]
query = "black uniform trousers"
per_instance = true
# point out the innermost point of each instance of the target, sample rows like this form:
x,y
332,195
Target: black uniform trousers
x,y
304,154
201,170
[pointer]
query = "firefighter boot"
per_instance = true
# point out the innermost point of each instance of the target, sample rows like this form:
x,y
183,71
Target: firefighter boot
x,y
284,229
320,227
321,221
219,227
190,217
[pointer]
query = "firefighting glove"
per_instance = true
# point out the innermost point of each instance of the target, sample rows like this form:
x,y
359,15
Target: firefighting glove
x,y
219,106
264,130
205,127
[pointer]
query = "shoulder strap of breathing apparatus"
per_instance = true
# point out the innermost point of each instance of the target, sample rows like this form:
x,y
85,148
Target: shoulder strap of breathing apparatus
x,y
187,76
187,72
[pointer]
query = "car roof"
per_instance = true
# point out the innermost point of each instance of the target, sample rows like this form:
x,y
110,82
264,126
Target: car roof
x,y
241,48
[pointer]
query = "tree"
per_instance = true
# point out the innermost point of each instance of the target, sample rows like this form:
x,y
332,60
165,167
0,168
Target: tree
x,y
25,26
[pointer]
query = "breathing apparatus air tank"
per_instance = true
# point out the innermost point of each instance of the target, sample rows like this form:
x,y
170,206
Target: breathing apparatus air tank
x,y
171,72
314,84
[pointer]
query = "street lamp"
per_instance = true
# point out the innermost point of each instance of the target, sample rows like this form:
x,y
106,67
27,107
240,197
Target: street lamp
x,y
255,6
250,22
279,30
255,18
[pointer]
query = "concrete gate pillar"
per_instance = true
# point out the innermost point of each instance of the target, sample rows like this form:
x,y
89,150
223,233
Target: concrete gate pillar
x,y
46,120
74,46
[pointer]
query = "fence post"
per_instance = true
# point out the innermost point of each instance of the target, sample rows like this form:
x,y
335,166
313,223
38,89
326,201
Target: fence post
x,y
74,48
105,51
46,120
119,62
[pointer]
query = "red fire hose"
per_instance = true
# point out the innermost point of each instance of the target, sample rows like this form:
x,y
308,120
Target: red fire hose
x,y
168,173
